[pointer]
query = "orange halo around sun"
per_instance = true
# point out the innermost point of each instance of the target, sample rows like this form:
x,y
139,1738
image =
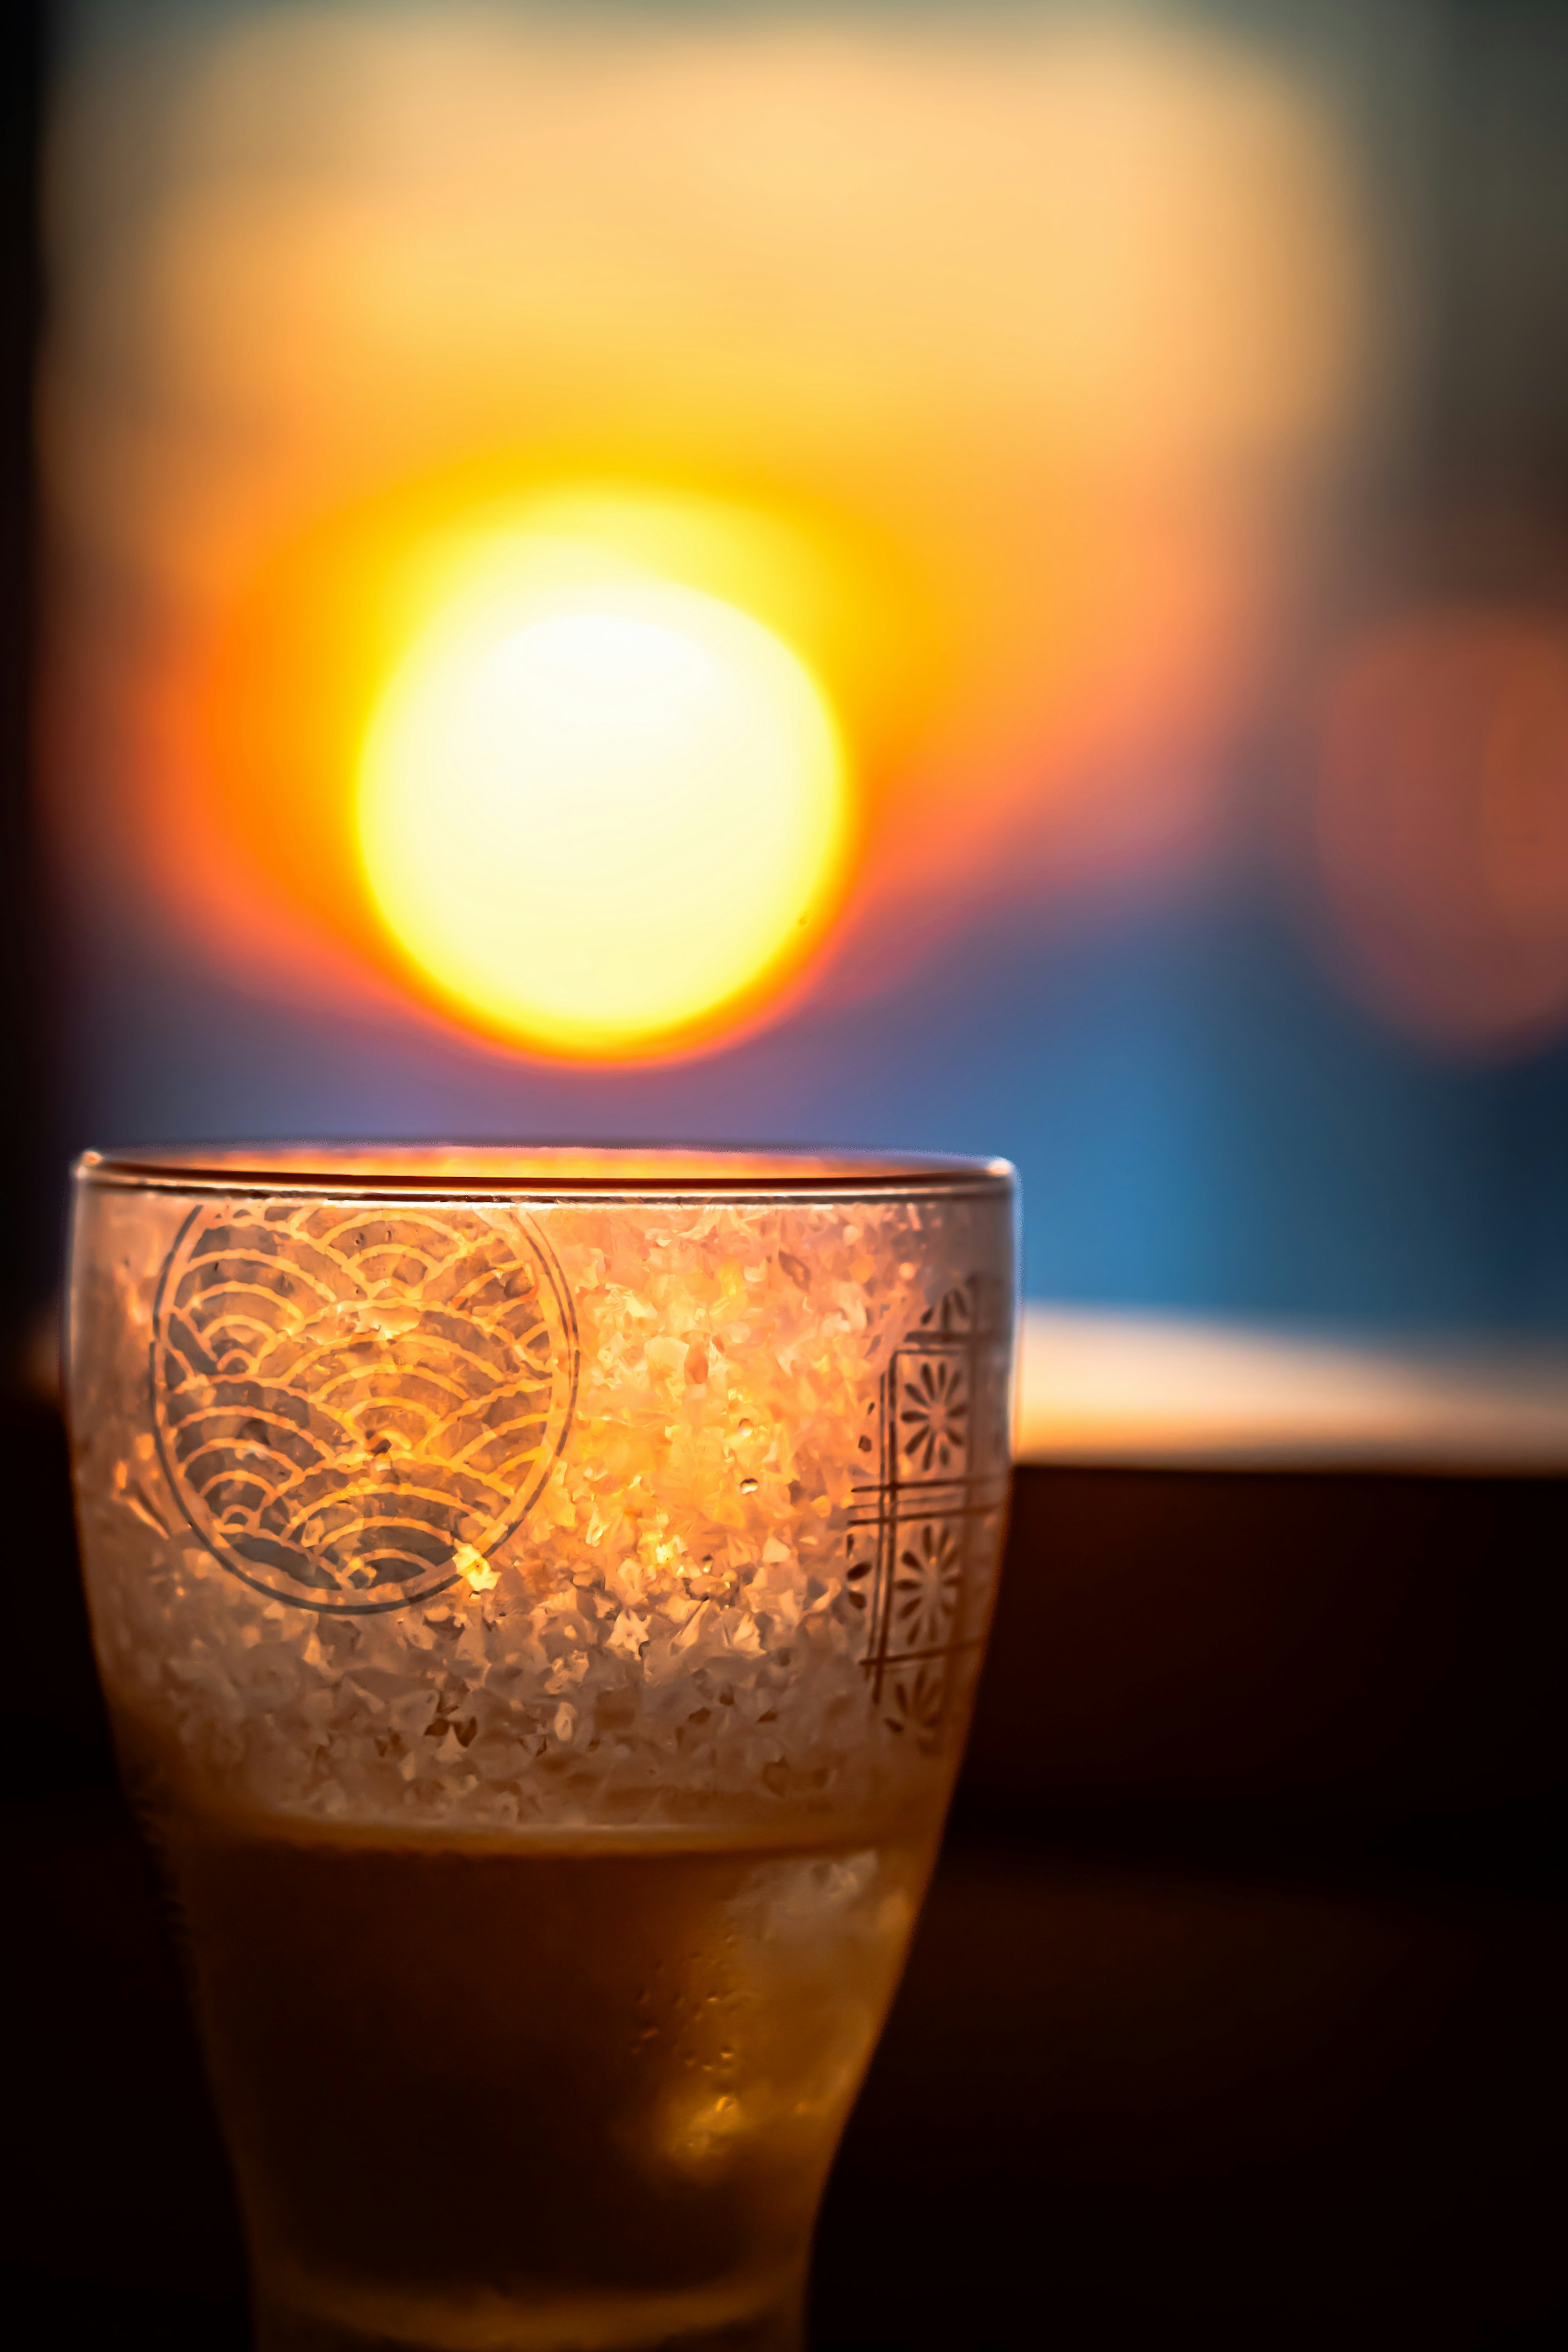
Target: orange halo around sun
x,y
582,768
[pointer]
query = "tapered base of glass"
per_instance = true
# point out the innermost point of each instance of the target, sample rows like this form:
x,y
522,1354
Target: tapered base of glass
x,y
697,2321
541,2096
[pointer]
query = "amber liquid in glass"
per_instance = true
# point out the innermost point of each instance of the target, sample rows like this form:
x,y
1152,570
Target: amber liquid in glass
x,y
547,2092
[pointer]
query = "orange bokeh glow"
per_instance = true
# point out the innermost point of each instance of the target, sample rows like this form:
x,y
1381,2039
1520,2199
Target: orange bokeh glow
x,y
1442,823
261,819
989,369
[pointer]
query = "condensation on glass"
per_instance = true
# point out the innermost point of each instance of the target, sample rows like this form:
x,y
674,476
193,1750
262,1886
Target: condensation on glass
x,y
540,1597
452,1486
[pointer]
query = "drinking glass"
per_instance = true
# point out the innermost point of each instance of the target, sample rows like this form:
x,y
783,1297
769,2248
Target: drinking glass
x,y
540,1596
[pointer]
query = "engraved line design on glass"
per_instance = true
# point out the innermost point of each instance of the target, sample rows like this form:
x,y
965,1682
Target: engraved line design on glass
x,y
356,1403
936,1434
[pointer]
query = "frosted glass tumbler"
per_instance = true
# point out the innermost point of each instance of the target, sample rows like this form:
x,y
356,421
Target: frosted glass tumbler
x,y
540,1596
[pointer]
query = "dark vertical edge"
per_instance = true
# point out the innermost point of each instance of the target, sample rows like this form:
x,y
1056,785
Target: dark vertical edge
x,y
28,1210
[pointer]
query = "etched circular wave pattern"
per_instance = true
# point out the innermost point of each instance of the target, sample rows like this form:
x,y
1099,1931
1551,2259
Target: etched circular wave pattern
x,y
353,1404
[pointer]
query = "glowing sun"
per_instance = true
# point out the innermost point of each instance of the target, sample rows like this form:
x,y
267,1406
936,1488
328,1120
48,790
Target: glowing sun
x,y
597,814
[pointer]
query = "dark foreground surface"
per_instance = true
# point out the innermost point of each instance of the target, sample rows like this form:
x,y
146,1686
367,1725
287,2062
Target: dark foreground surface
x,y
1235,2001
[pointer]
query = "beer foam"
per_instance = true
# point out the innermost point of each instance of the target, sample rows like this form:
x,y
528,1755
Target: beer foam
x,y
744,1550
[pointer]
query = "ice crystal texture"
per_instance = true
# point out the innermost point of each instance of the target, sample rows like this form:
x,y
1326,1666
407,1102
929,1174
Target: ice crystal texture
x,y
593,1511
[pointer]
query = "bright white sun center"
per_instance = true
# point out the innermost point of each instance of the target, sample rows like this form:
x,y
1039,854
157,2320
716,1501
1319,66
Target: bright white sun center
x,y
596,819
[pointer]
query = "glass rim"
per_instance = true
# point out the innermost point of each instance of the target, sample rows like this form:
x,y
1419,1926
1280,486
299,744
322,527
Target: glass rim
x,y
540,1171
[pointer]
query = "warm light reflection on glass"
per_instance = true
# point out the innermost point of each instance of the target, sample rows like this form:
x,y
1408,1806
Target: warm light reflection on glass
x,y
595,813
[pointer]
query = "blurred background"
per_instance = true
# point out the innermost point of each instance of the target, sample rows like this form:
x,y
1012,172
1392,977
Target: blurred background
x,y
1146,428
986,577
